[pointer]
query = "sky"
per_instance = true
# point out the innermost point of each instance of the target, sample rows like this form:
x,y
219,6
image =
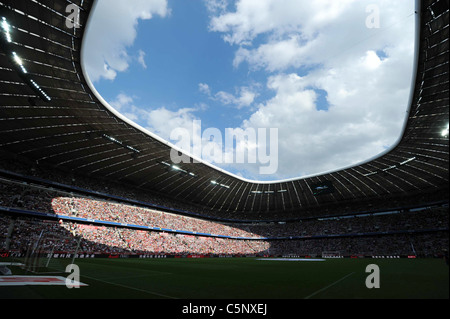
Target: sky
x,y
332,77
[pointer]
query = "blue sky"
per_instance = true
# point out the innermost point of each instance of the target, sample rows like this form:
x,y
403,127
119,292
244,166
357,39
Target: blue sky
x,y
180,54
336,90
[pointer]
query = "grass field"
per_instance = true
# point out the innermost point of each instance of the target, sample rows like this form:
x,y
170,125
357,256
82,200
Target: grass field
x,y
246,278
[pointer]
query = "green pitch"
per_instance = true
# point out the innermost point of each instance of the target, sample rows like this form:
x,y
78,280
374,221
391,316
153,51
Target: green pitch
x,y
246,278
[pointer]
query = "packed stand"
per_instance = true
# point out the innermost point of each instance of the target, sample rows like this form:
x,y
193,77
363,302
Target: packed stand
x,y
127,192
39,199
63,237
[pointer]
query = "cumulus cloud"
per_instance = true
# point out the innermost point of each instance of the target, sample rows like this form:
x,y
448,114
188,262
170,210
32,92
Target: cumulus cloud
x,y
204,88
301,49
141,59
325,45
113,32
279,17
180,127
301,34
158,120
216,6
244,96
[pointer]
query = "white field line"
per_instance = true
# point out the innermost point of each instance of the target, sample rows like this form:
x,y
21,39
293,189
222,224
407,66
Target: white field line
x,y
133,288
329,286
128,287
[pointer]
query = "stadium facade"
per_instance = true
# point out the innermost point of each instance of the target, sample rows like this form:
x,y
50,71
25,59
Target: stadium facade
x,y
58,133
53,116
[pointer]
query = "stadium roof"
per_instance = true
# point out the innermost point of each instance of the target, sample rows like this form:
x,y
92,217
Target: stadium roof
x,y
50,113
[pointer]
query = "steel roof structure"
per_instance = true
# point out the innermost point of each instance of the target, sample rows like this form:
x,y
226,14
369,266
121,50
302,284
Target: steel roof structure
x,y
51,114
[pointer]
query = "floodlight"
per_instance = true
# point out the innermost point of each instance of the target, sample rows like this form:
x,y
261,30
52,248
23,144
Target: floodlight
x,y
445,132
6,28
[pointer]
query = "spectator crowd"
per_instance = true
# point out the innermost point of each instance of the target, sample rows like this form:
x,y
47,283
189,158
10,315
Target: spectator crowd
x,y
422,232
63,237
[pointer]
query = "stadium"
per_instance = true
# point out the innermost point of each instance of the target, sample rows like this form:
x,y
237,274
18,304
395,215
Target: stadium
x,y
83,185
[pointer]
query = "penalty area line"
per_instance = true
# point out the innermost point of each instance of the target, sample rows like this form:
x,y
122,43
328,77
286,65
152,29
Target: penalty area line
x,y
133,288
329,286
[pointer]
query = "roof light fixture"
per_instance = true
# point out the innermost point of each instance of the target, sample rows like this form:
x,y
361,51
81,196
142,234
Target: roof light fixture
x,y
390,167
6,29
178,169
444,133
219,184
408,160
17,61
116,141
268,192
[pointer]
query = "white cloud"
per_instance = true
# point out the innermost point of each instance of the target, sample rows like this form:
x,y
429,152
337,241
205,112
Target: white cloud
x,y
204,88
107,55
244,96
302,47
160,121
141,59
122,100
168,124
328,43
323,33
216,6
280,17
367,103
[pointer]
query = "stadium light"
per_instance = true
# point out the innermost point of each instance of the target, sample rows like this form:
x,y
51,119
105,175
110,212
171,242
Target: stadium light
x,y
178,169
390,167
445,132
15,59
221,185
408,160
19,62
268,192
41,91
6,29
116,141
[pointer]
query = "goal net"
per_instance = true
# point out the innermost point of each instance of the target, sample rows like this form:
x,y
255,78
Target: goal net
x,y
49,250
